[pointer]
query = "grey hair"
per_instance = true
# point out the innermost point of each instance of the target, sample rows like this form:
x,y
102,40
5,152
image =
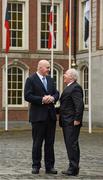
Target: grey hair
x,y
73,73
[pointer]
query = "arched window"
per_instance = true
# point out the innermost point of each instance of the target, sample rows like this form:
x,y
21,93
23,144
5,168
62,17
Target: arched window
x,y
15,85
85,84
17,74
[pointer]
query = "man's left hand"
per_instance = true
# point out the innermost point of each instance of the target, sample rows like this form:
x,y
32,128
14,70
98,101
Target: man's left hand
x,y
76,123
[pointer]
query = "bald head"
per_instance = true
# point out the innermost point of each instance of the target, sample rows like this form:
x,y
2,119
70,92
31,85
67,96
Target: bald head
x,y
43,67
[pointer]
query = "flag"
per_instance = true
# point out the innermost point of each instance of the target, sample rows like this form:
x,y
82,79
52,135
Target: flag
x,y
67,23
87,14
51,29
7,29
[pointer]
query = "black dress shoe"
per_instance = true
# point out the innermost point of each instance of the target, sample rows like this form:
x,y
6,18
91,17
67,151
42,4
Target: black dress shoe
x,y
71,172
35,171
51,171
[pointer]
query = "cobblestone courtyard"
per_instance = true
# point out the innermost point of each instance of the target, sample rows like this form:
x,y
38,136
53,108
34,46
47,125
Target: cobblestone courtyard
x,y
15,156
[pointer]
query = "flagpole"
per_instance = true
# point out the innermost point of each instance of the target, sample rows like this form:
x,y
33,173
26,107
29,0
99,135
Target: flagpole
x,y
70,35
52,38
90,122
7,45
6,93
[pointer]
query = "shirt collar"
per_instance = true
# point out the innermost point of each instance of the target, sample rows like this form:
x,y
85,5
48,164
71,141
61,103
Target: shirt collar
x,y
40,76
70,83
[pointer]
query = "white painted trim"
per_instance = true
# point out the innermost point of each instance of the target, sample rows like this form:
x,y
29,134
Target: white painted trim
x,y
101,23
59,25
25,75
25,25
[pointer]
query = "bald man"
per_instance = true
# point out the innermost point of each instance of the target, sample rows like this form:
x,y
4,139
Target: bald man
x,y
42,95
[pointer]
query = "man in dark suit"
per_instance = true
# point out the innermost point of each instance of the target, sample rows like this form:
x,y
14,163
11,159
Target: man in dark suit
x,y
71,114
41,93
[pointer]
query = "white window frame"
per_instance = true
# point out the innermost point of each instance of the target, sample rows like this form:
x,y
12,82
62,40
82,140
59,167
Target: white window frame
x,y
59,42
25,75
81,26
25,37
59,82
101,23
84,67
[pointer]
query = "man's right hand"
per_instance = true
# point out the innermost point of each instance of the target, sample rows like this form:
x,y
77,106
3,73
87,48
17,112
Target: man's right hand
x,y
48,99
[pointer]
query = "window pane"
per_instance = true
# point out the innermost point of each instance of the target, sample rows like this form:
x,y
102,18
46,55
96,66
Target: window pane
x,y
19,42
43,44
9,7
13,100
43,26
19,71
19,93
20,7
19,25
9,71
14,16
9,77
14,70
20,16
43,17
20,34
9,93
9,102
13,93
19,85
13,85
14,7
9,85
19,78
14,78
14,27
14,42
14,34
43,8
19,100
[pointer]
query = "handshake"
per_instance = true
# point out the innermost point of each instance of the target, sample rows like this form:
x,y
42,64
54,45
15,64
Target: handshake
x,y
47,99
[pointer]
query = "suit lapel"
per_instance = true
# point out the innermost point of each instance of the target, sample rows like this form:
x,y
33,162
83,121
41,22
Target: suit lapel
x,y
67,89
39,82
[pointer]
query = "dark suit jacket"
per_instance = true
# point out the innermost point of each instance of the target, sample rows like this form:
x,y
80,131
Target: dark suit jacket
x,y
71,104
34,92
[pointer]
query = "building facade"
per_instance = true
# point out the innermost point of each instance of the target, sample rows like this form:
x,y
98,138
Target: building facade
x,y
29,43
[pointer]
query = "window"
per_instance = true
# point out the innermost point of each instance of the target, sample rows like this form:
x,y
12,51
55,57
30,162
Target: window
x,y
16,24
43,24
15,86
18,14
85,85
101,23
17,74
45,10
82,43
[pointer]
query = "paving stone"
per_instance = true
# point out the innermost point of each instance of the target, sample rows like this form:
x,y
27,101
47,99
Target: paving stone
x,y
15,156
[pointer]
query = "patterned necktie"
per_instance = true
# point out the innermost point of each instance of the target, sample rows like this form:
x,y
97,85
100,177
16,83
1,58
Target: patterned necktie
x,y
44,82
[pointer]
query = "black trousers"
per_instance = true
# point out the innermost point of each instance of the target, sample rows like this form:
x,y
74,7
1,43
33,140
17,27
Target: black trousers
x,y
71,135
43,131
